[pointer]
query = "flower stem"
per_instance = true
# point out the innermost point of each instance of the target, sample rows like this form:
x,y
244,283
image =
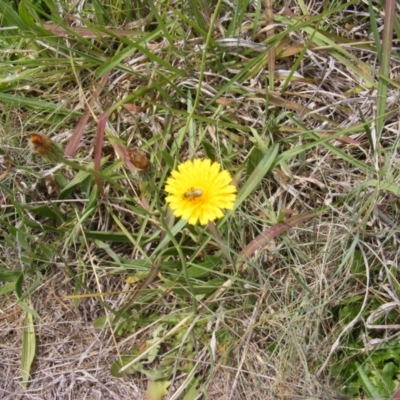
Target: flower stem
x,y
224,248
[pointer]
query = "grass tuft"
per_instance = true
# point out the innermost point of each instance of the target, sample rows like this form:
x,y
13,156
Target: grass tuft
x,y
293,294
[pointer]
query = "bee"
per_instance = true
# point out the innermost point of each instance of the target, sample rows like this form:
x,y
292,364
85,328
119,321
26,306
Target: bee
x,y
193,193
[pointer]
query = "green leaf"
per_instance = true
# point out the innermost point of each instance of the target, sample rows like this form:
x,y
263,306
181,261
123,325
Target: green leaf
x,y
156,374
118,364
156,390
100,322
18,285
257,175
79,178
7,275
192,393
209,150
358,265
7,288
9,17
169,160
254,160
27,14
46,211
367,385
153,353
210,264
389,376
390,187
28,348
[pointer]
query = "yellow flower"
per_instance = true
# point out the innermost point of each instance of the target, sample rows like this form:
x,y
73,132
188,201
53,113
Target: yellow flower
x,y
198,191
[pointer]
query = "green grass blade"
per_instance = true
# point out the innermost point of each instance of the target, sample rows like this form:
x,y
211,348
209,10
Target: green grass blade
x,y
28,348
257,175
390,14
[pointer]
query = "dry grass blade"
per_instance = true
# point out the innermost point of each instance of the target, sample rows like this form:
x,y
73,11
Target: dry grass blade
x,y
269,20
87,32
269,234
76,138
101,126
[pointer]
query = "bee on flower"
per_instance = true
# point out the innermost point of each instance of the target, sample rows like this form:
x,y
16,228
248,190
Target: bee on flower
x,y
193,193
199,191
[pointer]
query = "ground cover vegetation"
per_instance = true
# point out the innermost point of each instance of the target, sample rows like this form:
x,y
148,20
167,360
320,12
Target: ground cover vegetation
x,y
282,282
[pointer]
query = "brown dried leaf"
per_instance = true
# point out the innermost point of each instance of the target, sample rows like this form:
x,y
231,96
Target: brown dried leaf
x,y
87,32
270,233
73,144
135,109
